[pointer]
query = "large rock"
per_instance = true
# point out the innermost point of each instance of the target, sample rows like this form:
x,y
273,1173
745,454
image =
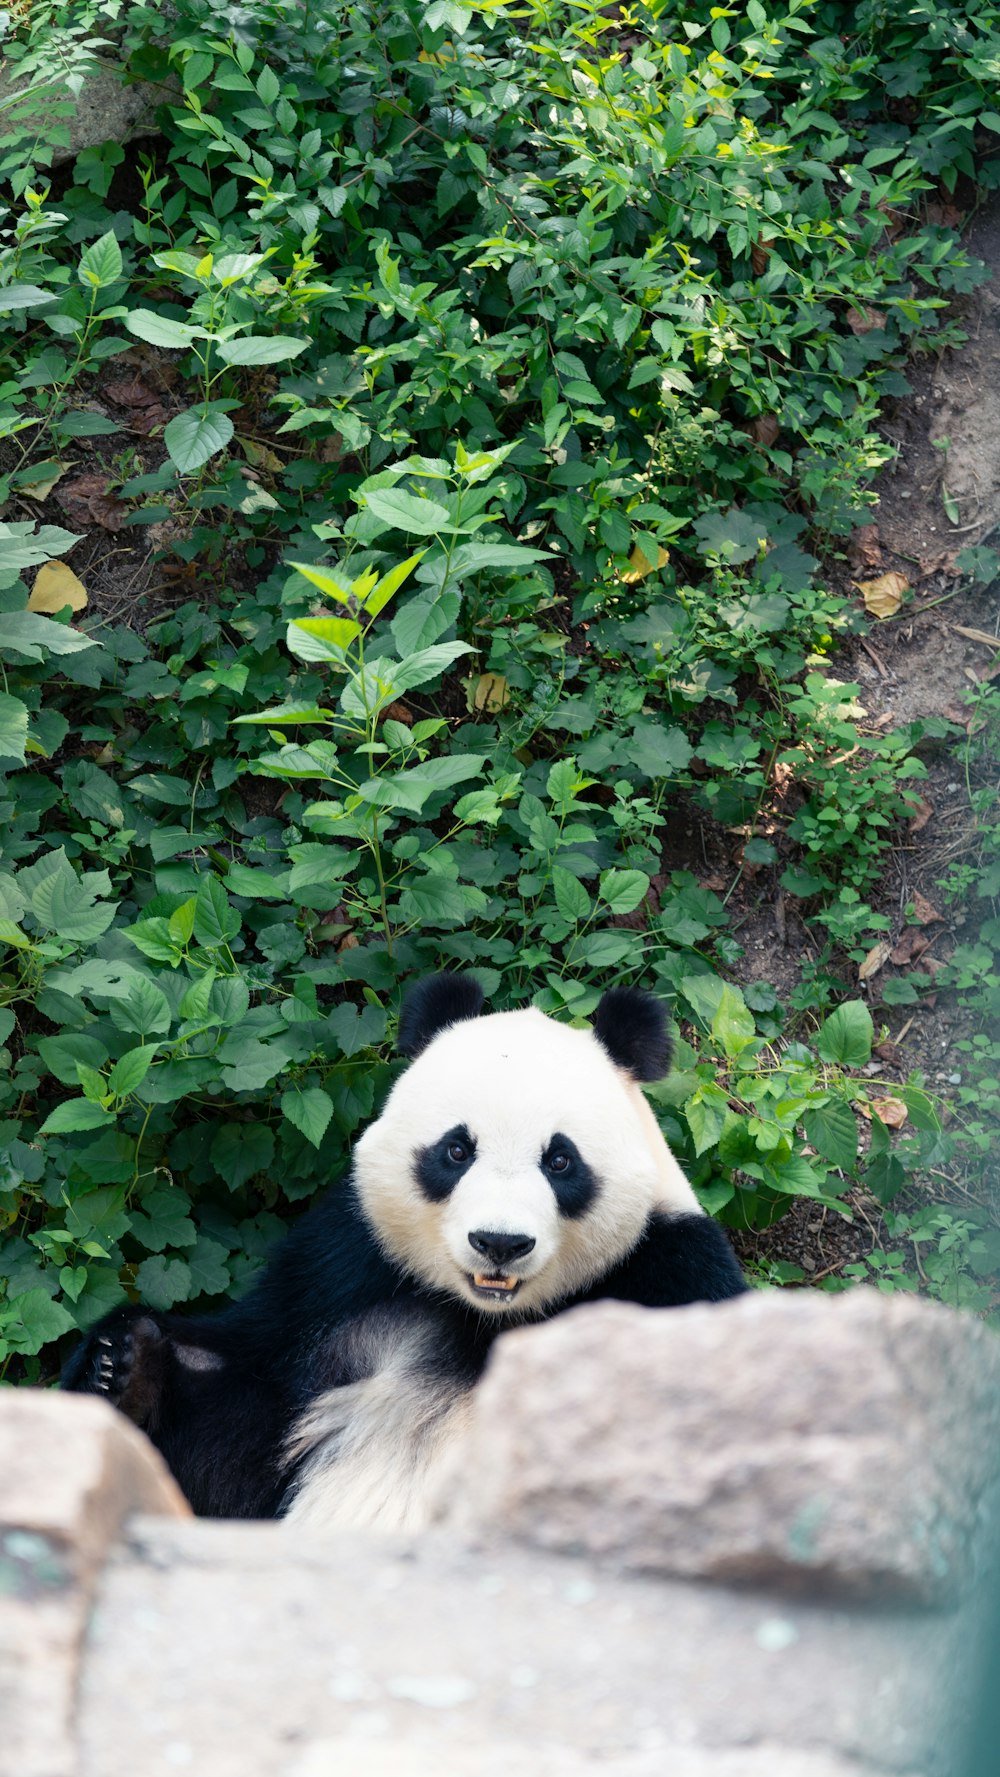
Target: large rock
x,y
105,108
71,1472
843,1444
229,1650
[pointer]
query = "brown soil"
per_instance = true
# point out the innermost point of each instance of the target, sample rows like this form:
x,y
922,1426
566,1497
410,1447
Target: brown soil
x,y
932,502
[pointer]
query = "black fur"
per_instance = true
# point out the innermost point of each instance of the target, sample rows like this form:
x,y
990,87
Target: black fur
x,y
574,1186
220,1394
222,1430
438,1172
632,1027
432,1005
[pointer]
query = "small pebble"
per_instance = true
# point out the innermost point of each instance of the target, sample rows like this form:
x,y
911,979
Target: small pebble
x,y
774,1634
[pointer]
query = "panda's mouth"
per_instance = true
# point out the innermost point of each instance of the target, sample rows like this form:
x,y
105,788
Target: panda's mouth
x,y
495,1289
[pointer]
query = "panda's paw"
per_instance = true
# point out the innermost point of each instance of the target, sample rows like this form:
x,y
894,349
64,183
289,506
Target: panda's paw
x,y
121,1359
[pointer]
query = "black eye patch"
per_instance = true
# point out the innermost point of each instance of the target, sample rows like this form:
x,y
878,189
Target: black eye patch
x,y
440,1166
572,1180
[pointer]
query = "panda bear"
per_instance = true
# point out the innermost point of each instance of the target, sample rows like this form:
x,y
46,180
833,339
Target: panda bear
x,y
515,1171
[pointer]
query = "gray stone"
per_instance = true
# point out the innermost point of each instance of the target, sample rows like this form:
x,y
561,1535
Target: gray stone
x,y
71,1470
105,109
262,1651
840,1443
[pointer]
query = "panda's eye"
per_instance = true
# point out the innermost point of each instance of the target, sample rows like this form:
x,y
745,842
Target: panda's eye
x,y
558,1162
458,1152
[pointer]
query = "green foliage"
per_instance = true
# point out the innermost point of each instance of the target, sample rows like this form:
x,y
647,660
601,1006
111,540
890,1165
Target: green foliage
x,y
524,366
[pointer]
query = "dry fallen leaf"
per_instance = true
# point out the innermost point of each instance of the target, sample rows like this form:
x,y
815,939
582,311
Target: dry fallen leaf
x,y
912,944
892,1111
86,498
765,429
399,712
489,692
44,478
883,596
865,548
923,911
640,566
977,635
922,811
131,392
865,320
875,960
56,586
760,253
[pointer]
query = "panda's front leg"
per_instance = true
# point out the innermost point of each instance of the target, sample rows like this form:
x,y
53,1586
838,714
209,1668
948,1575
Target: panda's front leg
x,y
124,1359
679,1259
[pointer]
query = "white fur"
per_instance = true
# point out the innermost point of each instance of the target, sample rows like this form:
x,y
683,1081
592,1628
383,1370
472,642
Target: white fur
x,y
377,1451
515,1079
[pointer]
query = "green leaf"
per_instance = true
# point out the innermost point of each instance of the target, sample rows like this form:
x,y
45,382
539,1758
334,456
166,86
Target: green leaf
x,y
31,635
215,921
286,714
32,1319
130,1071
572,898
832,1130
733,1023
62,1054
162,1282
101,262
207,1264
427,664
66,904
846,1037
241,1150
163,1220
153,938
390,583
193,438
309,1110
25,296
13,729
180,925
143,1009
156,330
76,1113
408,512
259,348
412,789
197,999
623,890
321,638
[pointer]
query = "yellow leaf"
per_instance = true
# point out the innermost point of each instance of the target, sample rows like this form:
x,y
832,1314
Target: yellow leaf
x,y
640,566
42,480
883,596
56,586
489,692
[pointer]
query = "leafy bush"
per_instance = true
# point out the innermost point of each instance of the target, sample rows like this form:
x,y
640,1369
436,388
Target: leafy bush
x,y
545,348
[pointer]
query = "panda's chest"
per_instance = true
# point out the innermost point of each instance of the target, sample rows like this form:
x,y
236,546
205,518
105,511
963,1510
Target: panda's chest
x,y
373,1452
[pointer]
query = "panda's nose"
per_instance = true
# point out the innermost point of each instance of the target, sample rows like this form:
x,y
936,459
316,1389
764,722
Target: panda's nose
x,y
500,1249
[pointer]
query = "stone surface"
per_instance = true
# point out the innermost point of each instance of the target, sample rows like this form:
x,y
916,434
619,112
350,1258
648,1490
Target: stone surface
x,y
259,1651
842,1443
71,1470
104,110
401,1758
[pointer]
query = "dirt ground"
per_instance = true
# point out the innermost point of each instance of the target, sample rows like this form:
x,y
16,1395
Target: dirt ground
x,y
932,502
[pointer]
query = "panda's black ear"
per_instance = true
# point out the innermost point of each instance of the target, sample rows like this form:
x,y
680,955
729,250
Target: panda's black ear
x,y
632,1027
432,1005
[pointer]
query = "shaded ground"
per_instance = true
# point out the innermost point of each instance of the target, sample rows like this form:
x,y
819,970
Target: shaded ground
x,y
933,502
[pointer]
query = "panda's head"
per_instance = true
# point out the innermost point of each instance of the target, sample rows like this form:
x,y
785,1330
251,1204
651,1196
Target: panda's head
x,y
516,1160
